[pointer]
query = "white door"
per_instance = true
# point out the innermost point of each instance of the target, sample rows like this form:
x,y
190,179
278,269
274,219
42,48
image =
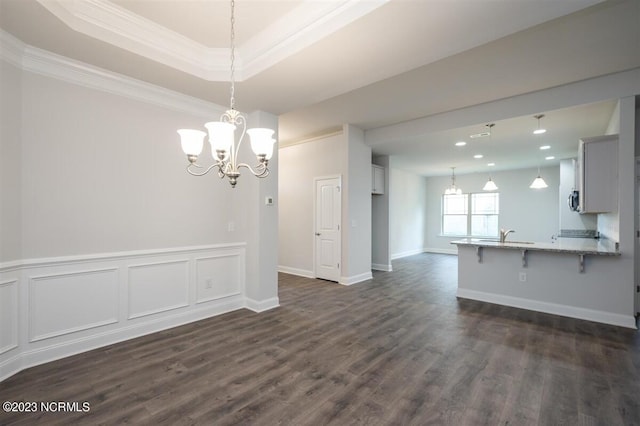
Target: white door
x,y
327,228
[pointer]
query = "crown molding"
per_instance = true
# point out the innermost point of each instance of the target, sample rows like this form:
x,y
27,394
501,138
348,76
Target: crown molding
x,y
11,49
301,27
115,25
48,64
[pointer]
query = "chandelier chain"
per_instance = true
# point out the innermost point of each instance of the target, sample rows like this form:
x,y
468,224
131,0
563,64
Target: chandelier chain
x,y
233,55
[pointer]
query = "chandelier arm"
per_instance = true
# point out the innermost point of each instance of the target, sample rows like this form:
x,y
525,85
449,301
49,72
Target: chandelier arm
x,y
261,170
239,120
207,170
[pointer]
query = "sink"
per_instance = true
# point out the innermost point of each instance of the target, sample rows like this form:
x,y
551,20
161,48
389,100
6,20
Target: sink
x,y
494,240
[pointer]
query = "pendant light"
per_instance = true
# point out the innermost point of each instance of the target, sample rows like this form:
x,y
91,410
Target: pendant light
x,y
538,182
453,189
490,185
222,137
539,130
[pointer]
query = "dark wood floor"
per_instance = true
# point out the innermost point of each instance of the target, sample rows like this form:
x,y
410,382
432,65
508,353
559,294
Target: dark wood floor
x,y
400,349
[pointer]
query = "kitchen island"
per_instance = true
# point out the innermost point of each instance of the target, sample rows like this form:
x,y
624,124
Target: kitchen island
x,y
568,277
579,246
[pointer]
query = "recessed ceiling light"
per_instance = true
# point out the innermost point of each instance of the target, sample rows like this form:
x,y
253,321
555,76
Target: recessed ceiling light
x,y
551,157
461,143
491,164
539,131
478,156
543,147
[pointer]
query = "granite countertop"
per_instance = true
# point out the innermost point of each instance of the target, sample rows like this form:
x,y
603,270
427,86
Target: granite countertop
x,y
562,245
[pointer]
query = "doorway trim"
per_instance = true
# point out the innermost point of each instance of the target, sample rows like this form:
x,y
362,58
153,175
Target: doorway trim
x,y
637,238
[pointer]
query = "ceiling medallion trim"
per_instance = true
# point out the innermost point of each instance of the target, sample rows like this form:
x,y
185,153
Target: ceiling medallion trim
x,y
303,26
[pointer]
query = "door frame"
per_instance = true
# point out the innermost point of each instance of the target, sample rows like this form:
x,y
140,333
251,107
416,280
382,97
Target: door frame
x,y
313,231
637,238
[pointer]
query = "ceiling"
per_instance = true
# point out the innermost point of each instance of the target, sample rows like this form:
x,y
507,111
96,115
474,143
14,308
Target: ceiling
x,y
372,63
510,144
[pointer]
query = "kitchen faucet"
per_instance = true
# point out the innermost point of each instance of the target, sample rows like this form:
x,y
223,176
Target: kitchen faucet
x,y
503,234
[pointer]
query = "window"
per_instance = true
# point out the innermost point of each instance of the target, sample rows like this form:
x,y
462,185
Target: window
x,y
470,214
455,212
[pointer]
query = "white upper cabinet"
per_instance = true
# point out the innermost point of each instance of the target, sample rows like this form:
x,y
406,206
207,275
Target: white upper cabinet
x,y
598,174
377,179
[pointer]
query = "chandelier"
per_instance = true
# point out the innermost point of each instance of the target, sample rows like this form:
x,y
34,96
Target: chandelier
x,y
453,189
222,137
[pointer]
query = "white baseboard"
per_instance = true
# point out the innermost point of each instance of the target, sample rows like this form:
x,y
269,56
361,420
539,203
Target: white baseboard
x,y
356,278
406,253
295,271
381,267
424,250
262,305
441,251
627,321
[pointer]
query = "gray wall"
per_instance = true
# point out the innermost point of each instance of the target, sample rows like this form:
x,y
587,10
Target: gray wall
x,y
343,154
380,250
86,171
262,218
298,166
104,173
10,163
358,193
532,213
407,212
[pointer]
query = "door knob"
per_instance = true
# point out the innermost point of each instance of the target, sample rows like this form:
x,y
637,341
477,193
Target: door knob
x,y
317,234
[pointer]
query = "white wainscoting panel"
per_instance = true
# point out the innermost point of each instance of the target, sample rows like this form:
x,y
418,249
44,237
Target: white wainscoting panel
x,y
158,287
218,277
56,307
8,315
65,303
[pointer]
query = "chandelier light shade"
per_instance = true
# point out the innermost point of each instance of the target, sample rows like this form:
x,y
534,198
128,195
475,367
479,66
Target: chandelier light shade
x,y
490,185
262,141
192,142
453,189
222,138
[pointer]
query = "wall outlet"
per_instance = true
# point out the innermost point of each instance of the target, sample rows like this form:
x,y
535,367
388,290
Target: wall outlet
x,y
523,277
231,226
208,283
